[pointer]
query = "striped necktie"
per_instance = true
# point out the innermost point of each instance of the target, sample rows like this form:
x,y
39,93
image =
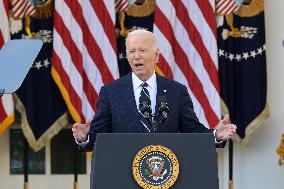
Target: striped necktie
x,y
144,94
145,97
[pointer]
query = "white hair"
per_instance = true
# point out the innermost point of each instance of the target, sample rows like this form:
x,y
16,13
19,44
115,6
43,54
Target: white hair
x,y
140,32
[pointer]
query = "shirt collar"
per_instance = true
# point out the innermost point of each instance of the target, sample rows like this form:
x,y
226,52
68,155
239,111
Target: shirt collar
x,y
137,82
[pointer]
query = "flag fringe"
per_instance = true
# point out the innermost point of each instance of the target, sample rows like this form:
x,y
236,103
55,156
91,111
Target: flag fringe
x,y
158,70
44,10
252,9
53,130
145,9
135,10
251,127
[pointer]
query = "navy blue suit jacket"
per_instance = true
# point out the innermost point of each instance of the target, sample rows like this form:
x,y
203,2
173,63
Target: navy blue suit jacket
x,y
117,111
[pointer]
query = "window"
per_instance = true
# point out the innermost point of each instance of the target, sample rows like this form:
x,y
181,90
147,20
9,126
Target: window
x,y
17,148
63,153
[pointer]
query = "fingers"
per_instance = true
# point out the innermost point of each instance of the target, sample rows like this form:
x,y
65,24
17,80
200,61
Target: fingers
x,y
226,131
226,119
230,133
234,126
230,126
77,125
80,131
75,130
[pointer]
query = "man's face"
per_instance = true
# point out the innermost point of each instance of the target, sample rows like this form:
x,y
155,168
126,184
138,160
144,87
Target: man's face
x,y
141,55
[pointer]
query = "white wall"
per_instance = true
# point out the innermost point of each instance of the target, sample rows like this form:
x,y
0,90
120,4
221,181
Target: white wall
x,y
255,166
46,181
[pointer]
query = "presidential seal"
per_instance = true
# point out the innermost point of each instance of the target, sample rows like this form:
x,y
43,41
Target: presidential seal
x,y
155,167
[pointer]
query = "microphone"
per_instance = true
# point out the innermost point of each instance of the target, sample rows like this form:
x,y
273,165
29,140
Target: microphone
x,y
145,106
163,107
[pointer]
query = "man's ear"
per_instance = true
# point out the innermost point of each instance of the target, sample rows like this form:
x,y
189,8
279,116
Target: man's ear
x,y
157,53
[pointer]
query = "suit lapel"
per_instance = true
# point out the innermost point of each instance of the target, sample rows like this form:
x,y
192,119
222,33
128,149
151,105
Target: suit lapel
x,y
129,100
161,91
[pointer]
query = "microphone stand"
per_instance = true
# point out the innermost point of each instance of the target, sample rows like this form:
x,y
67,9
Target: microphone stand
x,y
162,113
155,124
151,121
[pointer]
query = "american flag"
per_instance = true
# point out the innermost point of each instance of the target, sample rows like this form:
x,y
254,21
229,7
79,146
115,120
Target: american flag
x,y
6,101
186,32
224,7
121,5
22,8
84,54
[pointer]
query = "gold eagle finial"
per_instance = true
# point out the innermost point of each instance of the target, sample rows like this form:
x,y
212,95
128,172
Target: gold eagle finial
x,y
249,8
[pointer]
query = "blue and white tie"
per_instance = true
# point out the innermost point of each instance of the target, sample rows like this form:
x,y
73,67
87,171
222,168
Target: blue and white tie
x,y
144,94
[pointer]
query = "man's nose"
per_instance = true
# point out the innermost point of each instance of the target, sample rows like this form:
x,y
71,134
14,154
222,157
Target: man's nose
x,y
137,55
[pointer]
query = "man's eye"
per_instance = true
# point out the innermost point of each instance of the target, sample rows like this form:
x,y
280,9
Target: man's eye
x,y
143,51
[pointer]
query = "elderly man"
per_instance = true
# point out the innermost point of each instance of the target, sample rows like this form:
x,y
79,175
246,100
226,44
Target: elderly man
x,y
119,104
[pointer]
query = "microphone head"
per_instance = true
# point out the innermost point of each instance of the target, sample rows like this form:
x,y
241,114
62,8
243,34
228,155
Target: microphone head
x,y
162,99
163,105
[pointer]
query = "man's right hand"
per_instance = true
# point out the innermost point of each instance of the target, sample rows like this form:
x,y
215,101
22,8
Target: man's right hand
x,y
80,131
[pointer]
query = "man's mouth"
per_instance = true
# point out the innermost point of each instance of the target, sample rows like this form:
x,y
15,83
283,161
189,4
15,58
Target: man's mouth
x,y
138,65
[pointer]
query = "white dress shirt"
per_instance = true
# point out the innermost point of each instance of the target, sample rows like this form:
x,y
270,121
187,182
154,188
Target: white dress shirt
x,y
152,88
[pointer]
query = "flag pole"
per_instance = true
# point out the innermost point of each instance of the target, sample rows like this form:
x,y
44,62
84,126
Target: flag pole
x,y
231,183
26,165
76,186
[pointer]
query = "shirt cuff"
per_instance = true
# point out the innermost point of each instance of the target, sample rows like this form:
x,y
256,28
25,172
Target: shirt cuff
x,y
84,144
217,142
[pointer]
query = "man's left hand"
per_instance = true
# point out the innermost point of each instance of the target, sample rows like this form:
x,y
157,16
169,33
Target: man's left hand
x,y
225,130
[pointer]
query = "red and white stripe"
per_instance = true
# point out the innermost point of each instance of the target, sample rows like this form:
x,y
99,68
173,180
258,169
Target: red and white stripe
x,y
6,101
121,5
22,8
224,7
84,54
186,32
